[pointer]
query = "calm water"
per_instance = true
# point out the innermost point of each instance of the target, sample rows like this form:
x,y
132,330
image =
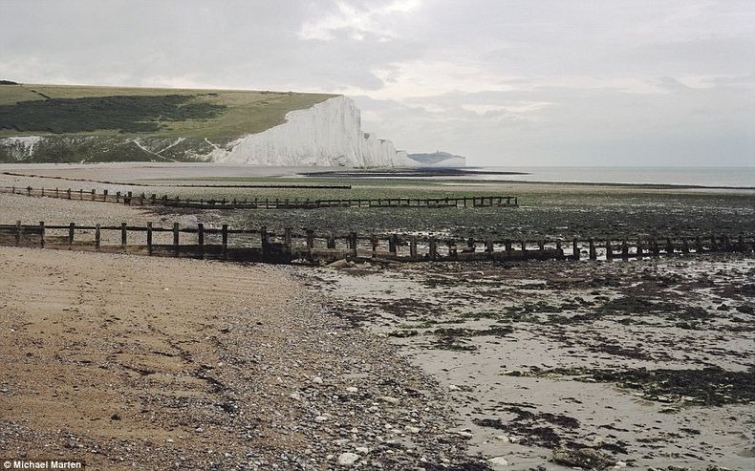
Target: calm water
x,y
719,177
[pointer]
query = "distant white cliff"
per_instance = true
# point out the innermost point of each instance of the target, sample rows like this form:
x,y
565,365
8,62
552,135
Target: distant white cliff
x,y
327,134
438,159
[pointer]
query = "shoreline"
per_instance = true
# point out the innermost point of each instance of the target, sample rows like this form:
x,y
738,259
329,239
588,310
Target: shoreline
x,y
140,173
380,398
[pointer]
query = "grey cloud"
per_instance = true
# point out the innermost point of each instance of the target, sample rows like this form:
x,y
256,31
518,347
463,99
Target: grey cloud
x,y
624,82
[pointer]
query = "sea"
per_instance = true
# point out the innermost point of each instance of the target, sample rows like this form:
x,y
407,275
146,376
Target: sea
x,y
724,177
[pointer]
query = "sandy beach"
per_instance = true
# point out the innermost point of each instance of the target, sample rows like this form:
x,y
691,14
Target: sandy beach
x,y
135,362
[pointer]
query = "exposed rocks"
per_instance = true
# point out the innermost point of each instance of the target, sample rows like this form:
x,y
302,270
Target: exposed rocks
x,y
347,459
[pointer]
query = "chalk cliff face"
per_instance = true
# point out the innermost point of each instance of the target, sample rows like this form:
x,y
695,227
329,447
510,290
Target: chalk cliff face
x,y
327,134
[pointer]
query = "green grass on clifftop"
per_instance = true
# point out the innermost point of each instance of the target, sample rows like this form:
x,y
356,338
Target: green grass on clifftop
x,y
214,114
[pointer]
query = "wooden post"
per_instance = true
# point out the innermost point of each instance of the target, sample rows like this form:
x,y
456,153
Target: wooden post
x,y
117,196
331,243
575,249
287,240
353,244
71,229
81,194
624,249
97,237
669,246
524,246
94,192
698,244
374,241
264,241
130,196
18,232
609,250
42,234
540,244
200,239
310,240
43,192
413,247
123,235
433,248
654,246
489,247
593,252
559,249
176,244
69,193
392,244
104,195
225,241
149,238
685,245
508,248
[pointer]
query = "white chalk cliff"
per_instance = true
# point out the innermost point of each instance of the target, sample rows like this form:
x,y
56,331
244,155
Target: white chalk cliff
x,y
327,134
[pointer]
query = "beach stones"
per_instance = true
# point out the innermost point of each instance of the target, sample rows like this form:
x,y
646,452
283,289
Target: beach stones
x,y
347,459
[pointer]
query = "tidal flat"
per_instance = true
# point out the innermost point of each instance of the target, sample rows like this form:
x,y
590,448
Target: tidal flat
x,y
648,362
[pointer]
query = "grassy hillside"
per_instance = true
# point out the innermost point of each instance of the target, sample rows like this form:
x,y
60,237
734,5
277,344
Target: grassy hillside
x,y
34,110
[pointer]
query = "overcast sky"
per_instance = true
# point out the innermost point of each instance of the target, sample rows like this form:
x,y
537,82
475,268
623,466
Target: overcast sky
x,y
502,82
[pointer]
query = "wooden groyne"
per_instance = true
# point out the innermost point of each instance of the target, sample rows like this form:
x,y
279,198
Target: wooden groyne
x,y
306,246
129,198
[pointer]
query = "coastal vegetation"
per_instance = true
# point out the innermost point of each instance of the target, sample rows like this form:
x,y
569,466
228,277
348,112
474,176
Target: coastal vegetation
x,y
216,114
